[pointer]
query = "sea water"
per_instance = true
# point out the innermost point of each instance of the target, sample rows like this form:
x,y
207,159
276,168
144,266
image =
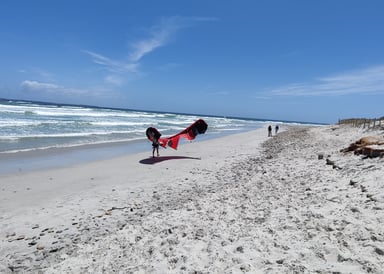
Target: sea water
x,y
26,126
35,135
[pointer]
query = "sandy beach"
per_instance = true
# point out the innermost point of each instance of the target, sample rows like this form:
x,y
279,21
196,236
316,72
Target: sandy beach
x,y
244,203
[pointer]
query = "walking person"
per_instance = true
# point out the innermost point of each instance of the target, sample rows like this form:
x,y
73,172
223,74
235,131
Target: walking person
x,y
276,129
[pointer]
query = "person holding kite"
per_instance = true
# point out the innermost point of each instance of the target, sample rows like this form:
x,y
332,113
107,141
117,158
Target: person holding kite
x,y
198,127
154,135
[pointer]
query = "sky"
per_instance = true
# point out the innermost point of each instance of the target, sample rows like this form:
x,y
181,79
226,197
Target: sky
x,y
297,60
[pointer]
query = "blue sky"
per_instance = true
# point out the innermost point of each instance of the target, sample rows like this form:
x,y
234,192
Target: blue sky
x,y
313,61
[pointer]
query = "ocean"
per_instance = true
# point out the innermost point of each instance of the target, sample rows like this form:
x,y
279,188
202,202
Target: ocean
x,y
28,125
37,127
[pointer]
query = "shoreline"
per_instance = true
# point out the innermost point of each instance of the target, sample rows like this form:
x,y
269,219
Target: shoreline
x,y
60,157
241,203
116,164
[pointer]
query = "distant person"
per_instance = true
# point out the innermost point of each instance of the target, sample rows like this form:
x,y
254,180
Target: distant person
x,y
276,129
270,131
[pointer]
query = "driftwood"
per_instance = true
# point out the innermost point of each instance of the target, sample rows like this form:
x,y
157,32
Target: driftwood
x,y
370,146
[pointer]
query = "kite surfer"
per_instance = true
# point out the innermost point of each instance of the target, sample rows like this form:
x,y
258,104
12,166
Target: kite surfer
x,y
190,133
154,135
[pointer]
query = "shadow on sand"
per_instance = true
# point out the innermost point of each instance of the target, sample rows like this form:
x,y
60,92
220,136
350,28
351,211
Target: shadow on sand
x,y
154,160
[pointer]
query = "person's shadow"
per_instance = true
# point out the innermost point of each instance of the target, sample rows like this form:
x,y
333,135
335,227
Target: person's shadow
x,y
154,160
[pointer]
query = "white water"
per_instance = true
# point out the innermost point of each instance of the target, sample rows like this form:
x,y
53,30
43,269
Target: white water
x,y
29,126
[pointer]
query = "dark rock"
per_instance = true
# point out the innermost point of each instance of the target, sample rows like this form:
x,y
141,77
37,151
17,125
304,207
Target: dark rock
x,y
379,251
240,249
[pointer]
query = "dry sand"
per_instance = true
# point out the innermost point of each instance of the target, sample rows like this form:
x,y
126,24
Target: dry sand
x,y
244,203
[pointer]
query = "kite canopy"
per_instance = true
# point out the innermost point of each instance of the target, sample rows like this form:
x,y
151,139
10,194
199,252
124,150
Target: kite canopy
x,y
190,133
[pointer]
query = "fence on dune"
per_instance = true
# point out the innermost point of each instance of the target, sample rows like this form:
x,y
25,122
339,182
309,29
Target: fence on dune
x,y
364,123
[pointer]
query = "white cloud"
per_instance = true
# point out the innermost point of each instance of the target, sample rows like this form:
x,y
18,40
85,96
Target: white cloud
x,y
158,36
114,80
365,81
110,64
35,85
38,72
49,88
161,34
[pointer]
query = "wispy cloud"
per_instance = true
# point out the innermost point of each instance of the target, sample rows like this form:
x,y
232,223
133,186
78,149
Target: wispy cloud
x,y
110,64
365,81
58,93
39,85
49,88
162,33
115,80
157,36
38,72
